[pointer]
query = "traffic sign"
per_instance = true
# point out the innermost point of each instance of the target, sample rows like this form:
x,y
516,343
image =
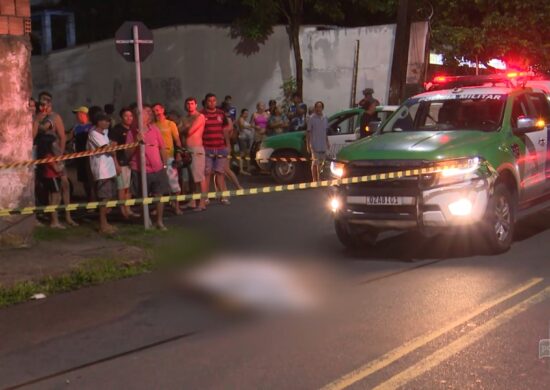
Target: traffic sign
x,y
124,40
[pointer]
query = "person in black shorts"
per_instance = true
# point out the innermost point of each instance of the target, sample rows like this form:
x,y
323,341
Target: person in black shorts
x,y
50,175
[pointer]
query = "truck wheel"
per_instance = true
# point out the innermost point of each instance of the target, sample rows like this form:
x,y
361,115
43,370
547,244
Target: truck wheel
x,y
288,172
499,220
354,239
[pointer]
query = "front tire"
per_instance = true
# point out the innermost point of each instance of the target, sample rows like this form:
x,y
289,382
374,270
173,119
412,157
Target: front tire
x,y
288,172
499,220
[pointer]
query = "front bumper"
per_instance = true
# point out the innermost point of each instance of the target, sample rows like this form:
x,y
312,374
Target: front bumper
x,y
425,208
263,158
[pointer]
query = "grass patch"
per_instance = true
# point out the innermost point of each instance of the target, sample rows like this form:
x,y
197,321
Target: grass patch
x,y
175,247
90,273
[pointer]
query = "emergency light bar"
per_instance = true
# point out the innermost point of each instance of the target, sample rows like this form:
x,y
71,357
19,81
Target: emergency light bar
x,y
510,80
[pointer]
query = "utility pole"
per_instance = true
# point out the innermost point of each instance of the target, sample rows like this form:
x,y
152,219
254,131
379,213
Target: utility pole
x,y
15,121
401,52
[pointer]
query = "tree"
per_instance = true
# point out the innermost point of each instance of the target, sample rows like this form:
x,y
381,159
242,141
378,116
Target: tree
x,y
515,31
15,123
262,15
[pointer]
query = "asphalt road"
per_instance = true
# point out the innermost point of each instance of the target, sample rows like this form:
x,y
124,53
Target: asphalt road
x,y
410,313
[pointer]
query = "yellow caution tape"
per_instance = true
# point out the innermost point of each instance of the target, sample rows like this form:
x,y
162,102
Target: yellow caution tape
x,y
106,149
214,195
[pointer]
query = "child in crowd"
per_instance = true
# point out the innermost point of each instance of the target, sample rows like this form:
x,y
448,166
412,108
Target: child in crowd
x,y
104,167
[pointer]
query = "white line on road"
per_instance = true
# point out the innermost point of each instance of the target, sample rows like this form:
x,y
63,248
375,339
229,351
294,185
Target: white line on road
x,y
399,352
463,342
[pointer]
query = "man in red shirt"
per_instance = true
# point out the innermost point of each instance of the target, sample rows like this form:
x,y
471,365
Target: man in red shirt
x,y
215,141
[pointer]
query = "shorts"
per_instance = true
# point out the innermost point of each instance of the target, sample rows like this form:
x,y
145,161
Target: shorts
x,y
52,184
157,183
214,163
123,180
318,158
106,189
198,163
173,177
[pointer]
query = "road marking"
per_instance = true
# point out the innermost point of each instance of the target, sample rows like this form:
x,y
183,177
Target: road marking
x,y
399,352
463,342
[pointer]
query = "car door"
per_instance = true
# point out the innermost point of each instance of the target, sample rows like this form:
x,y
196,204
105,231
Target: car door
x,y
541,107
533,163
341,131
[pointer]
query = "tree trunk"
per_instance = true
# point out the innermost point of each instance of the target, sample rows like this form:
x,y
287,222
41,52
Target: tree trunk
x,y
15,136
295,39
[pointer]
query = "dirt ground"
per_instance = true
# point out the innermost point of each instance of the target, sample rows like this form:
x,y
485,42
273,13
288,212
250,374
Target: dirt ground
x,y
50,256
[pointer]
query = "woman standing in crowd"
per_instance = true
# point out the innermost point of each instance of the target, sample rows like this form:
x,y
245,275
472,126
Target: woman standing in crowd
x,y
278,123
246,140
229,131
271,106
259,121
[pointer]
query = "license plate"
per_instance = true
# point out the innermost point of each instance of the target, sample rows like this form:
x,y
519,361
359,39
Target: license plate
x,y
382,200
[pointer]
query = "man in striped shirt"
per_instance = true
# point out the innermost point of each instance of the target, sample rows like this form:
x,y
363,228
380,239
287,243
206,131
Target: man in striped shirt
x,y
215,141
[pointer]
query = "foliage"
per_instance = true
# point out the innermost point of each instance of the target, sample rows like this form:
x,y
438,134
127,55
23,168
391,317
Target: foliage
x,y
260,16
515,31
288,88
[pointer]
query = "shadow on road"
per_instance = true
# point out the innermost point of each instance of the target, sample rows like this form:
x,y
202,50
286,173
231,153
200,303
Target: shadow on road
x,y
411,246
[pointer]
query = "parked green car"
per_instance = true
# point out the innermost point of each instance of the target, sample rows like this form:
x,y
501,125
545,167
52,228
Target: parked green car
x,y
497,135
344,128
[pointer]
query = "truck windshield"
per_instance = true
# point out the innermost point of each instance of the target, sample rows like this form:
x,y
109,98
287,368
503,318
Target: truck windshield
x,y
481,112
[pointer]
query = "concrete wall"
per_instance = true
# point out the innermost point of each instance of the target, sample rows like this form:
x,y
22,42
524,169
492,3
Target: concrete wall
x,y
194,60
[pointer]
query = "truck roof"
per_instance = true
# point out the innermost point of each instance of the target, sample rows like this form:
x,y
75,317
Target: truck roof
x,y
484,90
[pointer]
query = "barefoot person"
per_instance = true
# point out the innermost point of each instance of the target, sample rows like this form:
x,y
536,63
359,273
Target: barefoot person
x,y
49,175
193,140
49,122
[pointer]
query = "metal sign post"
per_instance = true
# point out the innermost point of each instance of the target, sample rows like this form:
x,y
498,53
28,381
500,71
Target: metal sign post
x,y
144,194
129,45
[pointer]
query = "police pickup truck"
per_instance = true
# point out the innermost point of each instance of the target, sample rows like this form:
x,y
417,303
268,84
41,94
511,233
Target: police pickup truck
x,y
495,132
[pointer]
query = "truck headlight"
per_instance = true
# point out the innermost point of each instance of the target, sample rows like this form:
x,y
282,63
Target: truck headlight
x,y
458,171
337,169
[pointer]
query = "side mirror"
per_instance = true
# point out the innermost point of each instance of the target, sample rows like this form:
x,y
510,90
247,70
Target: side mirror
x,y
527,125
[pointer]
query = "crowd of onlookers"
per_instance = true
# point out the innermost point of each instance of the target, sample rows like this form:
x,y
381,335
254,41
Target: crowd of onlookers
x,y
183,153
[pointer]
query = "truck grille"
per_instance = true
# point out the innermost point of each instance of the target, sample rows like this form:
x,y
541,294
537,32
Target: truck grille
x,y
406,186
